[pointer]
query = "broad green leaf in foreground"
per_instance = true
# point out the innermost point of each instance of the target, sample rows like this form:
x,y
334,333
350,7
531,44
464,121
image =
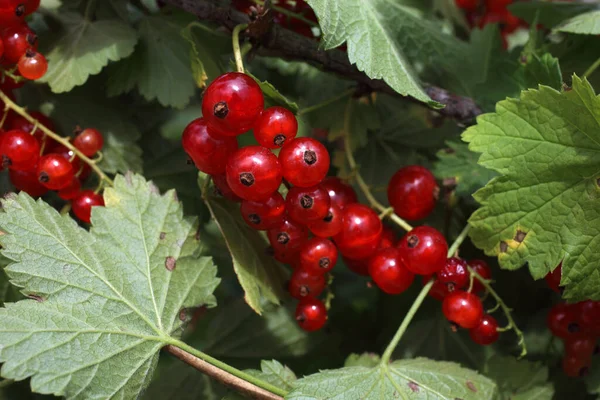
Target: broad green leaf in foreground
x,y
85,48
109,298
585,24
519,379
205,52
419,378
272,372
546,205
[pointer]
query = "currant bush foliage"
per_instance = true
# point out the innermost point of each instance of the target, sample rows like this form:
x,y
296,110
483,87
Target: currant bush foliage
x,y
106,300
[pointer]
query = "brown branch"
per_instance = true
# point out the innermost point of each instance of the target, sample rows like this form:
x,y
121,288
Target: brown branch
x,y
224,377
283,43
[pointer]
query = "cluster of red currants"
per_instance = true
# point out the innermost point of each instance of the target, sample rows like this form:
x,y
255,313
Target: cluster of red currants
x,y
18,43
37,163
299,7
578,325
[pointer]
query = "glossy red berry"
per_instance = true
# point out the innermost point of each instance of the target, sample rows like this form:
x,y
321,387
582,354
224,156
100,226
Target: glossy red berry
x,y
222,188
388,238
90,141
31,6
304,162
483,269
454,274
580,346
486,332
311,314
32,65
68,154
413,192
318,256
232,103
360,233
467,5
1,47
306,205
17,40
54,171
563,321
497,5
463,308
304,284
20,123
328,226
27,181
12,12
19,150
358,266
589,316
83,203
264,215
70,191
253,173
209,152
576,367
287,237
274,127
438,291
340,193
388,271
553,278
424,250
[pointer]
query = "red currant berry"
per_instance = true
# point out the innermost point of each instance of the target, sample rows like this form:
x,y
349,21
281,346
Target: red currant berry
x,y
576,367
463,308
497,5
1,47
222,188
454,274
359,266
12,12
19,150
70,191
562,321
232,103
274,127
388,238
208,152
304,284
318,256
424,250
264,215
304,162
17,39
388,271
580,346
31,6
287,237
413,192
27,181
90,141
341,193
242,5
589,316
306,205
253,173
553,278
328,226
486,332
32,65
467,5
54,171
83,203
67,154
438,291
311,314
483,270
361,232
20,123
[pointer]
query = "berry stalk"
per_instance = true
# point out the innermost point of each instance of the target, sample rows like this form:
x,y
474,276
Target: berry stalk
x,y
235,37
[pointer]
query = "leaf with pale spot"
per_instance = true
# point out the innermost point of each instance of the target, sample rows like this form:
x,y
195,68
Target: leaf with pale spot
x,y
584,24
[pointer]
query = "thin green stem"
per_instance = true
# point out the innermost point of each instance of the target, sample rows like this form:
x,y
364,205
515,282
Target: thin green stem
x,y
592,68
226,367
64,141
288,13
327,102
461,238
12,76
385,358
237,53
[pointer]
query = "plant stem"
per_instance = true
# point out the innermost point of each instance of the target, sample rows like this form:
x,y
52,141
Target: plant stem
x,y
461,238
385,358
65,142
225,373
359,179
235,37
592,68
288,13
326,102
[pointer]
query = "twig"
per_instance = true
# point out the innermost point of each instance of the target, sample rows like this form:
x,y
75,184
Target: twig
x,y
592,68
461,238
239,63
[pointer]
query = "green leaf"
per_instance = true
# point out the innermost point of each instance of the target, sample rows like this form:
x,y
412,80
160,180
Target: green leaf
x,y
419,378
368,360
544,207
519,379
542,70
272,372
109,298
160,66
379,34
585,24
549,13
273,96
204,54
85,48
8,293
458,162
259,274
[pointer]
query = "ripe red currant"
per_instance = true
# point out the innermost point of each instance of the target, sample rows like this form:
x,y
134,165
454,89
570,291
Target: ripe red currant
x,y
413,192
589,316
31,6
274,127
304,284
253,173
388,271
467,5
576,367
19,150
70,191
311,314
580,346
304,162
287,237
388,238
83,203
12,12
424,250
90,141
562,321
22,124
482,268
497,5
438,291
68,154
330,225
553,278
17,39
341,193
486,332
318,256
359,266
54,171
208,152
361,232
463,308
306,205
264,215
27,181
222,188
32,65
232,103
1,47
454,274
